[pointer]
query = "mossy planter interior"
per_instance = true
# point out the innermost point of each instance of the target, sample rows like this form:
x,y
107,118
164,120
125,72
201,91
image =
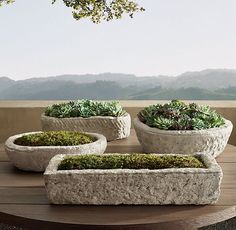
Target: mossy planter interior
x,y
180,186
112,128
36,158
211,141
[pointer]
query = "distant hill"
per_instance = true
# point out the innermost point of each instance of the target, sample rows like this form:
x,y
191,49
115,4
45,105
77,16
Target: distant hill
x,y
57,90
206,79
190,93
123,80
206,84
5,82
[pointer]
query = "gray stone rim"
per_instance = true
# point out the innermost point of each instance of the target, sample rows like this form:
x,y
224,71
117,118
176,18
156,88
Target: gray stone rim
x,y
11,145
137,123
211,167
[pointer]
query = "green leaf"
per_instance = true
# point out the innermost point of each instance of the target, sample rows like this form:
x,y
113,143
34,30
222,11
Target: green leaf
x,y
176,115
85,108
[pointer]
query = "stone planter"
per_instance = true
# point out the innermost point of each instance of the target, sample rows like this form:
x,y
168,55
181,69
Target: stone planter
x,y
126,186
211,141
111,127
36,159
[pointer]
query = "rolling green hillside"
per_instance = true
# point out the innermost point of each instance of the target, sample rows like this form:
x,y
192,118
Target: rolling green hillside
x,y
203,85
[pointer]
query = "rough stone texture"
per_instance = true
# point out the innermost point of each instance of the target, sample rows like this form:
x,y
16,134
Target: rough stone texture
x,y
126,186
211,141
37,158
112,128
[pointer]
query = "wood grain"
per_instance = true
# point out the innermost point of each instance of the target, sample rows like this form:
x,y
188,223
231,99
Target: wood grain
x,y
109,215
12,177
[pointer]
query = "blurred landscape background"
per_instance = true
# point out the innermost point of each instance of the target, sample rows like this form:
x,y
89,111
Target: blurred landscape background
x,y
134,59
203,85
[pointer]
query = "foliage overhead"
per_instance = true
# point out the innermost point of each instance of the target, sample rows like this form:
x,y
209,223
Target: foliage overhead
x,y
102,10
6,2
85,108
129,161
177,115
98,10
55,138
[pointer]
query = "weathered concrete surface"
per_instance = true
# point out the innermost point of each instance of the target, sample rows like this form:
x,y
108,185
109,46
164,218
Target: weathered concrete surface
x,y
113,128
212,141
37,158
126,186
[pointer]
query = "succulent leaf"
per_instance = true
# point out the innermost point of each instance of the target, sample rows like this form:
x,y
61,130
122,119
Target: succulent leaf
x,y
85,108
176,115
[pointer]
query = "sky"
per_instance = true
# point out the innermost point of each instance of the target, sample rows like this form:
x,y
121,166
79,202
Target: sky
x,y
38,39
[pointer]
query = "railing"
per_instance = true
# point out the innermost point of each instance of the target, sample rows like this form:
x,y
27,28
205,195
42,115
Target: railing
x,y
23,116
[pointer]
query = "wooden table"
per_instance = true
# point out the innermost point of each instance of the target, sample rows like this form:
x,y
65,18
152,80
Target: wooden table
x,y
23,202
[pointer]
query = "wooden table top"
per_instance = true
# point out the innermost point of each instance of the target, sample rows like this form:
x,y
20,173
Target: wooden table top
x,y
23,202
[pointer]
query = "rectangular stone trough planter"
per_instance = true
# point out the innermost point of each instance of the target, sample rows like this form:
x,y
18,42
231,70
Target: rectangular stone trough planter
x,y
113,128
180,186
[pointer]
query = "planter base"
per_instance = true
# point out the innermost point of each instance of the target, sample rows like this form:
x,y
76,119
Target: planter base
x,y
211,141
134,187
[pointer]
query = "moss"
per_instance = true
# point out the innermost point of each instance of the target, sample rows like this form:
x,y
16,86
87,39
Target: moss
x,y
129,161
54,138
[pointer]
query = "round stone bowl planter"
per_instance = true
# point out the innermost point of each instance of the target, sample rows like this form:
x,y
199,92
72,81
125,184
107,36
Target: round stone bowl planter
x,y
180,186
112,128
36,158
211,141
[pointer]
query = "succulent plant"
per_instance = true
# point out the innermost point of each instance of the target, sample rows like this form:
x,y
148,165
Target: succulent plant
x,y
54,138
129,161
85,108
177,115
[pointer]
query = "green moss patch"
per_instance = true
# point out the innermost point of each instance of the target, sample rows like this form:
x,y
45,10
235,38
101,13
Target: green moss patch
x,y
85,108
55,138
177,115
130,161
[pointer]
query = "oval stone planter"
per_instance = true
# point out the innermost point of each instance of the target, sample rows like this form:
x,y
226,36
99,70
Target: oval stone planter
x,y
36,158
211,141
131,186
112,128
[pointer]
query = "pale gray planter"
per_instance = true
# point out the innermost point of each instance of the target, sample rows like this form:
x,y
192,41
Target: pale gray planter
x,y
211,141
36,158
112,128
126,186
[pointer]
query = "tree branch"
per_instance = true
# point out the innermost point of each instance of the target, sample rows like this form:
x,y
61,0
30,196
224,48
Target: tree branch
x,y
98,10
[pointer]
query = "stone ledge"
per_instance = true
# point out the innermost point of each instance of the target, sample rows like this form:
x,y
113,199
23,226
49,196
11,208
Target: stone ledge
x,y
125,103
